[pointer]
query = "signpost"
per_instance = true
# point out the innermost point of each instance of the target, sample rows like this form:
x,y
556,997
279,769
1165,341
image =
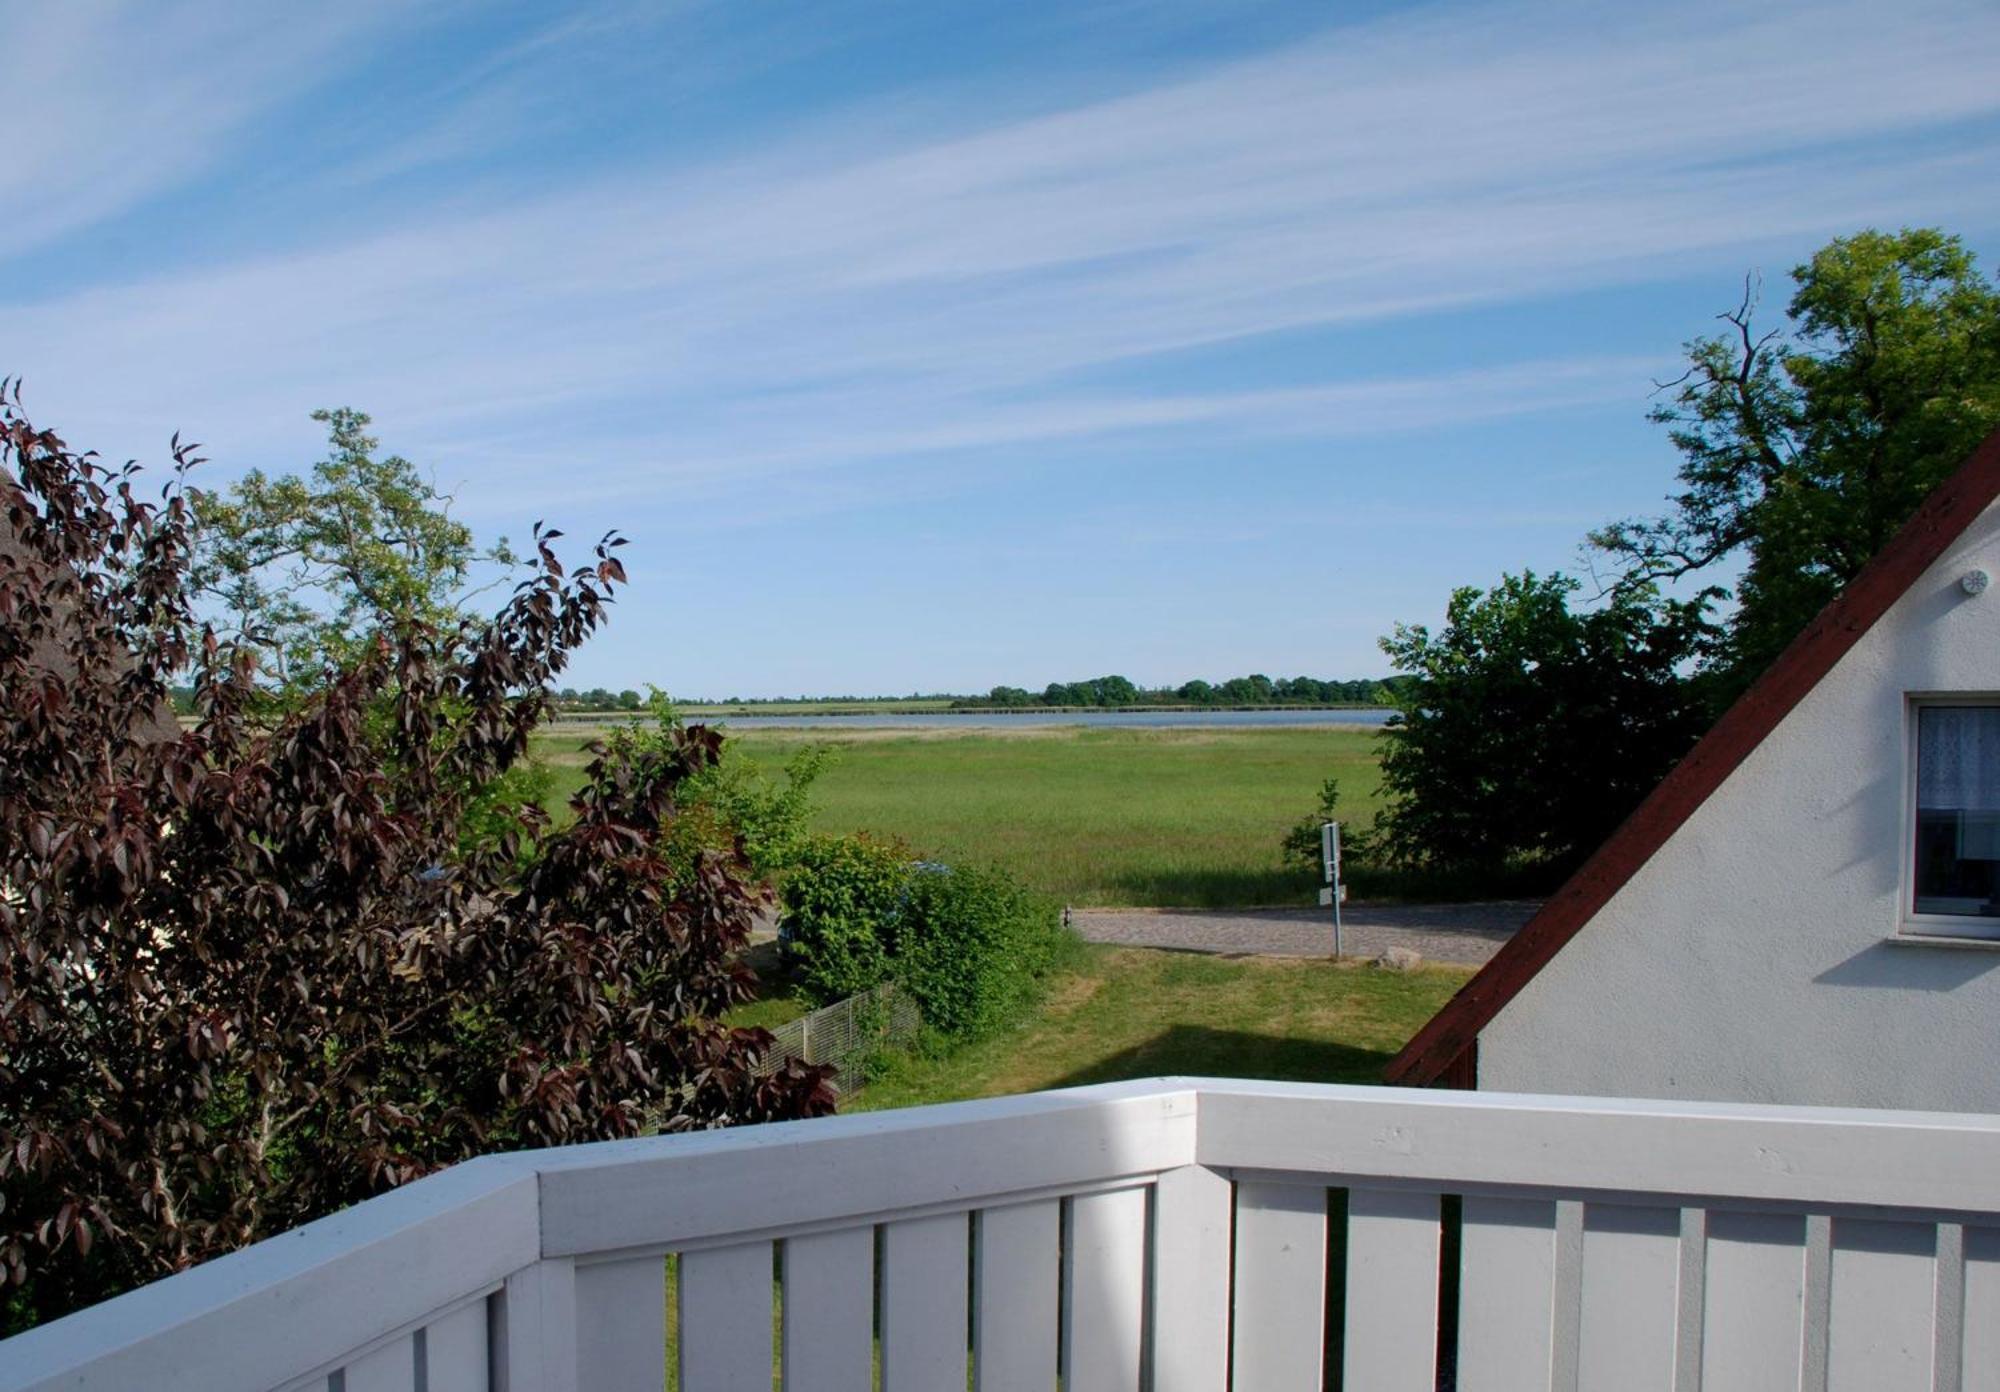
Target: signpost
x,y
1335,892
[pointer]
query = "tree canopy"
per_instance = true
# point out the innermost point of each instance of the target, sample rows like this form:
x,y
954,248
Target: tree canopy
x,y
1804,447
1527,729
309,567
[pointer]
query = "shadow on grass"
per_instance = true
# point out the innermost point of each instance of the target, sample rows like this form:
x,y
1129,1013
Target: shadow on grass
x,y
1517,881
1210,889
1216,1053
1243,889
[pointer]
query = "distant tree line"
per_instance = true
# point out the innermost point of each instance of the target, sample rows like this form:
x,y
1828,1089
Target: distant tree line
x,y
598,698
1254,690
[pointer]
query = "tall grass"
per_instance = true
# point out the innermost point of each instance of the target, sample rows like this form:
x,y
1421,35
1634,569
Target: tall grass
x,y
1188,818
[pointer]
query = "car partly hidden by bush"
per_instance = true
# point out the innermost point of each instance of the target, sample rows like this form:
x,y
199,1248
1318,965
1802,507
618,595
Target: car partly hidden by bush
x,y
969,945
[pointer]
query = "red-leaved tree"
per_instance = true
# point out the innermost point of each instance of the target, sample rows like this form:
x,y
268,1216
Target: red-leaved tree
x,y
264,966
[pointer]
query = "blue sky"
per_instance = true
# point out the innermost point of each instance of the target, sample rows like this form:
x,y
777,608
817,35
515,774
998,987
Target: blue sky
x,y
930,346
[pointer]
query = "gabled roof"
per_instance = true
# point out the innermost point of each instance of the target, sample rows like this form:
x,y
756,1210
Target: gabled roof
x,y
1942,519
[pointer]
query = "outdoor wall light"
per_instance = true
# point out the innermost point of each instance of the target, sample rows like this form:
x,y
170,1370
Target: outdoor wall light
x,y
1974,582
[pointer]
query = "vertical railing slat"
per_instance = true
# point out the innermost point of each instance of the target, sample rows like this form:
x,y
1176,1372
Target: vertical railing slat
x,y
455,1351
829,1342
1392,1290
924,1293
535,1337
391,1368
1629,1321
1106,1289
1279,1341
1015,1283
621,1325
1506,1308
1191,1222
725,1325
1881,1327
1982,1310
1753,1320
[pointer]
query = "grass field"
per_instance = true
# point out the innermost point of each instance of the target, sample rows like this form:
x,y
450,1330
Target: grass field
x,y
1134,1013
1186,817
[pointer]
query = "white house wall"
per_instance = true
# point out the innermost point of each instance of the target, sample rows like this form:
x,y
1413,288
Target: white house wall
x,y
1751,958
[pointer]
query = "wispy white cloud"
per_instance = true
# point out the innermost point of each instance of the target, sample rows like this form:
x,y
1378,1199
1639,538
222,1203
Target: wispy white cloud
x,y
493,102
109,102
833,307
738,455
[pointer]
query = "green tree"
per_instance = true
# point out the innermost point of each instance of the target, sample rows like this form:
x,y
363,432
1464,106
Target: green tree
x,y
313,567
1114,691
1804,448
1253,690
1526,730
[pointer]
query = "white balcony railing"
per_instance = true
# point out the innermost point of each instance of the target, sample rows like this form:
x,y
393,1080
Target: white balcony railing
x,y
1187,1235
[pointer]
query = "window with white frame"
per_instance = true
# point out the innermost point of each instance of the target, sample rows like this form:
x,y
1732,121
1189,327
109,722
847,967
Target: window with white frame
x,y
1956,865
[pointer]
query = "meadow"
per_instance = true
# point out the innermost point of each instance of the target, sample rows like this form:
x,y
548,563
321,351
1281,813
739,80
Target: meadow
x,y
1178,817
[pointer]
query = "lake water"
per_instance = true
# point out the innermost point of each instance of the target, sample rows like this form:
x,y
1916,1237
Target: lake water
x,y
1143,720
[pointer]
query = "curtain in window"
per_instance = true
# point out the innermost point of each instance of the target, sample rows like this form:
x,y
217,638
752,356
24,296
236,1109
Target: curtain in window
x,y
1958,758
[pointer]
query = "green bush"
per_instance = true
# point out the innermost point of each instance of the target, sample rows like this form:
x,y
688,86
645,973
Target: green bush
x,y
974,947
1302,842
730,803
737,798
842,900
1367,874
969,945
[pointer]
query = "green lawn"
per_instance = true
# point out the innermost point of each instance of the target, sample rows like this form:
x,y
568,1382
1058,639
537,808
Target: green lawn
x,y
1135,1013
769,1011
1090,816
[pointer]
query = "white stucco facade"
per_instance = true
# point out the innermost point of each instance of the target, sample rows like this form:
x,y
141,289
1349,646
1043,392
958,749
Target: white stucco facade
x,y
1763,953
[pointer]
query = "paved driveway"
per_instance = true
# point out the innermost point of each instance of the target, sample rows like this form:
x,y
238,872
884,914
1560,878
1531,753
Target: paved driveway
x,y
1466,933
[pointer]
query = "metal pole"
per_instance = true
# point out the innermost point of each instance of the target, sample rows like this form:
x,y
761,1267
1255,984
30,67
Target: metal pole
x,y
1329,858
1337,946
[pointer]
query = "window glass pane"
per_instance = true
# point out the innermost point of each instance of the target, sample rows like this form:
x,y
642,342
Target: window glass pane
x,y
1958,810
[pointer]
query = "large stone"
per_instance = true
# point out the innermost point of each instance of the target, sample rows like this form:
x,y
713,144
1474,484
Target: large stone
x,y
1400,959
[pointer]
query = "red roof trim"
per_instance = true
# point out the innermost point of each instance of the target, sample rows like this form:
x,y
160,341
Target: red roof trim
x,y
1941,520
